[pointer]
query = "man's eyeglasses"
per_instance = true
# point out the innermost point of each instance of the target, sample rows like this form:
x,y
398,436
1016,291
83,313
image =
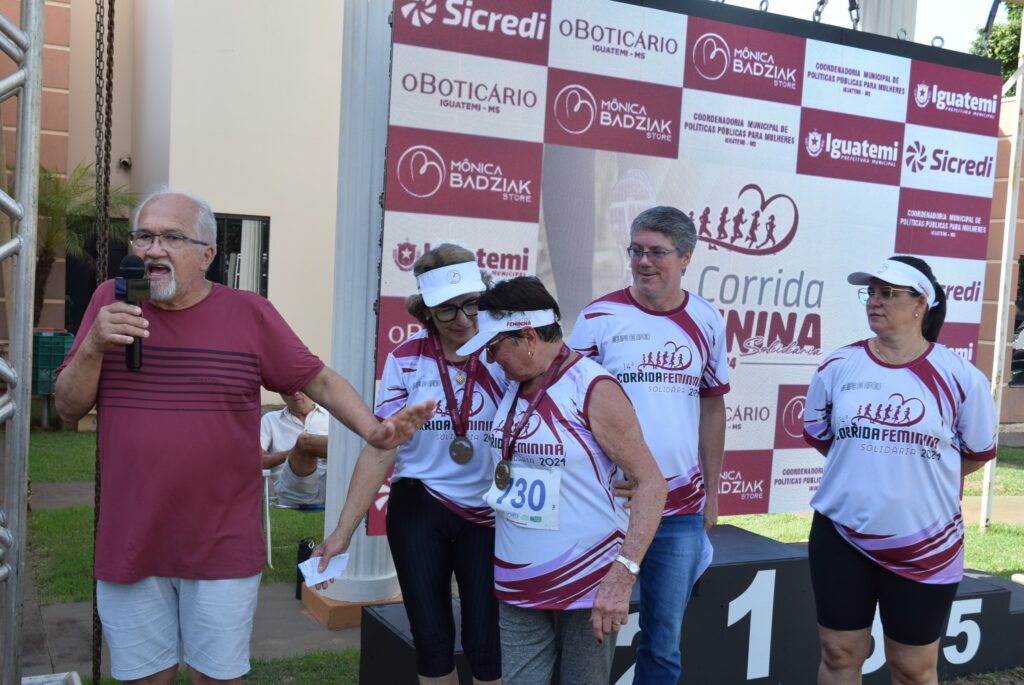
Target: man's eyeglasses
x,y
654,254
171,241
448,312
884,293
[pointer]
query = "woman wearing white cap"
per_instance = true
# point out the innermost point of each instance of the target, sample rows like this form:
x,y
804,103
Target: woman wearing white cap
x,y
437,521
566,554
901,420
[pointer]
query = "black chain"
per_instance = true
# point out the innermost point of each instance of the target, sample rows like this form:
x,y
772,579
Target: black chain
x,y
104,101
101,235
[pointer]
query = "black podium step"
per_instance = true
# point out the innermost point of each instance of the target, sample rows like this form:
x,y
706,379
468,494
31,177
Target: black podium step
x,y
751,620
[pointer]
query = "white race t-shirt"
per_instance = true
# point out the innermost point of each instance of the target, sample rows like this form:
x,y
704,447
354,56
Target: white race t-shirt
x,y
557,462
666,362
411,376
895,436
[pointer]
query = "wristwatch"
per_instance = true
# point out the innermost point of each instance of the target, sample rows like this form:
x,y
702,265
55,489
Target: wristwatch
x,y
630,565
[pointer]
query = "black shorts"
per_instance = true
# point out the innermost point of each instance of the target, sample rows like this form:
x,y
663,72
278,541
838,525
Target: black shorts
x,y
848,585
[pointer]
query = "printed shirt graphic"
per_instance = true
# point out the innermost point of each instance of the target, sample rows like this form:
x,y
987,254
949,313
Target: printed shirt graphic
x,y
895,436
180,438
666,362
560,569
410,376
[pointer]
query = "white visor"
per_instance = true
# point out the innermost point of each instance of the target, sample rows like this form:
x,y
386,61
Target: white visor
x,y
897,273
493,323
440,285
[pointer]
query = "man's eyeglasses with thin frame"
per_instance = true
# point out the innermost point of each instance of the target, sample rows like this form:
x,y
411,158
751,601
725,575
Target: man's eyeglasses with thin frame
x,y
448,312
170,241
654,254
885,293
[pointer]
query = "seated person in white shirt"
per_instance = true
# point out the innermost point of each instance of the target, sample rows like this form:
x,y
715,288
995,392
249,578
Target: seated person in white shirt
x,y
294,441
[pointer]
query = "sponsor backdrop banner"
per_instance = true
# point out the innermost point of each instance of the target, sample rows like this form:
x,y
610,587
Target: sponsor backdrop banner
x,y
532,132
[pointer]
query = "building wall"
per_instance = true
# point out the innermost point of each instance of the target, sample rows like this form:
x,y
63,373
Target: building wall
x,y
54,138
1013,398
238,101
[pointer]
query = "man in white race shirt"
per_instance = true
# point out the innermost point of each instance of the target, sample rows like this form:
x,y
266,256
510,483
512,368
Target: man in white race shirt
x,y
666,346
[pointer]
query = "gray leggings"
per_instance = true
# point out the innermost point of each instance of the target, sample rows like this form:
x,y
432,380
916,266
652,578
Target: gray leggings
x,y
532,638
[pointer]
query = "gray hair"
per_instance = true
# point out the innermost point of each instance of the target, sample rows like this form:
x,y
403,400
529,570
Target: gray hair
x,y
671,223
204,222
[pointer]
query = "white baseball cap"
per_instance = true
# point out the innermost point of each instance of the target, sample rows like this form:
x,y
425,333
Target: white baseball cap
x,y
493,323
897,273
442,284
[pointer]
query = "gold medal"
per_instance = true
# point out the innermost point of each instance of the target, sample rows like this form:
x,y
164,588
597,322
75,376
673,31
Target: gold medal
x,y
503,474
460,450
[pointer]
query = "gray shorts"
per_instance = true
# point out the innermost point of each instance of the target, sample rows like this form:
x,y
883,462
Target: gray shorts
x,y
299,491
531,638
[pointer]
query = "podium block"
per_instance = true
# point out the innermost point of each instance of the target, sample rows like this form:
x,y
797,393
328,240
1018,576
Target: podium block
x,y
752,619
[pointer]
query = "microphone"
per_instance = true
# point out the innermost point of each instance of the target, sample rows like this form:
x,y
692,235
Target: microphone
x,y
133,288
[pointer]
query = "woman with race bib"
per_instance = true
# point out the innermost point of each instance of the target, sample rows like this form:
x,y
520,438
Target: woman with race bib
x,y
437,521
901,420
566,553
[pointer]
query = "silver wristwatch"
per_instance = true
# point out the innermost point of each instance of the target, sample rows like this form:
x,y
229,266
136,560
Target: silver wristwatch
x,y
630,565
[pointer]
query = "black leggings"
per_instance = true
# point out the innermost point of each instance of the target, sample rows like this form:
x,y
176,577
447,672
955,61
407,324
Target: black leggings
x,y
428,542
847,585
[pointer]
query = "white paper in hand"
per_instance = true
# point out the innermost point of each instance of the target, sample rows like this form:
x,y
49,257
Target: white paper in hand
x,y
335,567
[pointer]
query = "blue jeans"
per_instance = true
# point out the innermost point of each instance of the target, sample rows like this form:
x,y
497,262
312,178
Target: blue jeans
x,y
679,553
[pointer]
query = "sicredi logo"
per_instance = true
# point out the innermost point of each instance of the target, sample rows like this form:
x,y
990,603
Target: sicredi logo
x,y
463,14
575,109
944,161
852,150
963,293
711,56
420,12
963,102
421,171
916,156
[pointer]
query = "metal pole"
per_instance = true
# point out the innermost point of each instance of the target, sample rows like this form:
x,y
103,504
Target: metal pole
x,y
366,53
1007,288
20,335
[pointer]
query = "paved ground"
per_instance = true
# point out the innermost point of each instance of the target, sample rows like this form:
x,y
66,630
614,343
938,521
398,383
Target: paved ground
x,y
58,638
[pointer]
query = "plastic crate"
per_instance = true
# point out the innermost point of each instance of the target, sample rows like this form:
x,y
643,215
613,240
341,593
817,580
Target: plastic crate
x,y
48,351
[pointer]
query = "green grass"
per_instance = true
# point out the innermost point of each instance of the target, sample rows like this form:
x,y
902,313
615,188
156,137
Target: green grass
x,y
60,549
1015,676
1009,474
998,550
57,456
781,527
325,668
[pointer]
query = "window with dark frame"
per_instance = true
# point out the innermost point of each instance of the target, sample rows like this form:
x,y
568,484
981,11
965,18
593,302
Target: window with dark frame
x,y
243,252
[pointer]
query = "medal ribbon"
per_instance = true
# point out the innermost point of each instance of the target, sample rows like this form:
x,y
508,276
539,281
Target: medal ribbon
x,y
509,435
459,415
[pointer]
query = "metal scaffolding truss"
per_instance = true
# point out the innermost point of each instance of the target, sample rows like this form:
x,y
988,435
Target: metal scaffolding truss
x,y
24,45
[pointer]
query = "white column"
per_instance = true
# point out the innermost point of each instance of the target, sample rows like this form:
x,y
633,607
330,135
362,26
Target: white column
x,y
887,17
366,50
